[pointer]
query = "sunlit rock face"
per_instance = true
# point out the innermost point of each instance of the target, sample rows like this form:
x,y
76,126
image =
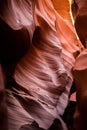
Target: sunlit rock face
x,y
69,41
44,73
63,8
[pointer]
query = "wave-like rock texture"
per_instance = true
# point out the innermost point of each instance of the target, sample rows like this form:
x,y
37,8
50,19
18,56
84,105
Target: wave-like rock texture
x,y
46,70
44,73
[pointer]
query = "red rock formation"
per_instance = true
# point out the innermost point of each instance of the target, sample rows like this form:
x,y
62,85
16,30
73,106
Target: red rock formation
x,y
80,67
44,73
80,75
80,22
51,57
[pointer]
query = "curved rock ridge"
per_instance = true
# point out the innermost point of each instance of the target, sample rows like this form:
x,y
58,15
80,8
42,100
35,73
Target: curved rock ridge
x,y
70,43
42,71
46,69
80,67
80,75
